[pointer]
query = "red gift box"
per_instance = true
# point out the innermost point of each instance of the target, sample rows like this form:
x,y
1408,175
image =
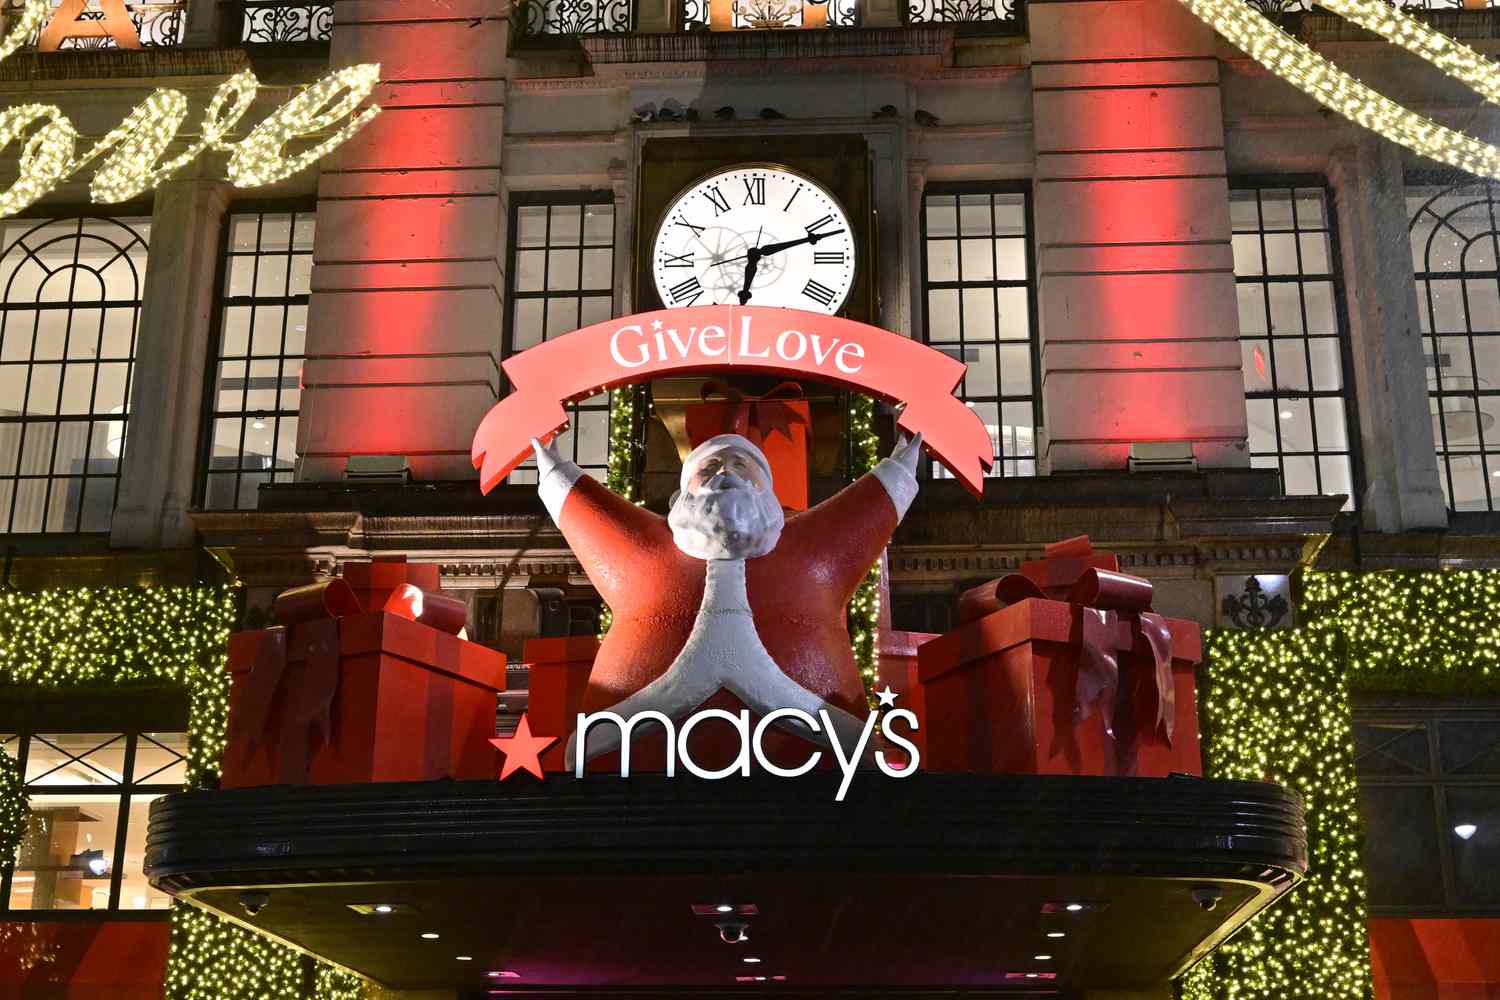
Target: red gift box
x,y
341,695
778,422
899,671
1097,684
557,678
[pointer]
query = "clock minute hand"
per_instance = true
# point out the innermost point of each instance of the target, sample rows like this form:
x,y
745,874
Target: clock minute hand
x,y
771,248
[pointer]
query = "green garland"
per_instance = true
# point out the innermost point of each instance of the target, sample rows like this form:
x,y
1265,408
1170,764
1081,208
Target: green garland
x,y
1275,706
864,607
122,638
14,810
113,637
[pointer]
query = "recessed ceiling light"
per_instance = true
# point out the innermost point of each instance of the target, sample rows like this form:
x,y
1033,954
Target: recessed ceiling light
x,y
1031,975
750,960
383,907
431,936
464,958
1056,934
504,974
1286,414
1074,907
1465,830
1042,958
724,908
259,425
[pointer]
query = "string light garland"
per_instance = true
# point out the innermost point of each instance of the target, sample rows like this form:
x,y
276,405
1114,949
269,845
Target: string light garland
x,y
1265,42
1274,706
94,639
133,150
14,810
864,607
98,639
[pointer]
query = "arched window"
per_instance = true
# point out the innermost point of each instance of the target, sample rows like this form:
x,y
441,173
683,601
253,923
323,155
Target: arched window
x,y
1454,235
70,303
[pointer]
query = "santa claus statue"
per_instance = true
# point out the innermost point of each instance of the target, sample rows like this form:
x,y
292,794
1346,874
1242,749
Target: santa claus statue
x,y
727,602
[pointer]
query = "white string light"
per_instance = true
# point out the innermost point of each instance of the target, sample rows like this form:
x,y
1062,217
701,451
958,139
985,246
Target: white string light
x,y
1267,44
132,151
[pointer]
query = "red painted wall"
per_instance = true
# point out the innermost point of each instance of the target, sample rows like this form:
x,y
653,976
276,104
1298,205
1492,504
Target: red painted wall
x,y
1436,959
93,960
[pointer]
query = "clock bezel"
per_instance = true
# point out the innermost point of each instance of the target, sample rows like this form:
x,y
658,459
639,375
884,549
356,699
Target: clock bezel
x,y
692,186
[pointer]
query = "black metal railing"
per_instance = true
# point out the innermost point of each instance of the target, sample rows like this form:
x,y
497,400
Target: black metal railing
x,y
275,22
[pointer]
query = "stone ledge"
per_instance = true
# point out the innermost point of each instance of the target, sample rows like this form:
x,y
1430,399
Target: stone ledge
x,y
931,41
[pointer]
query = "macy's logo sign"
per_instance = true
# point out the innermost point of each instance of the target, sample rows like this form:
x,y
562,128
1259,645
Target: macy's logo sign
x,y
522,751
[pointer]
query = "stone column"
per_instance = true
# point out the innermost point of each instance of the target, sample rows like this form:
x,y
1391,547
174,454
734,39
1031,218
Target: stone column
x,y
404,325
206,23
1135,270
911,261
1402,489
159,469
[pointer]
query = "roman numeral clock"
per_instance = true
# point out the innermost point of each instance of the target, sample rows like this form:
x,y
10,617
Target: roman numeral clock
x,y
755,234
780,220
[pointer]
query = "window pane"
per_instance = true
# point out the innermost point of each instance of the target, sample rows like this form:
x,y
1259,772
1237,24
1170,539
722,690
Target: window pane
x,y
1401,856
977,240
1294,380
67,853
76,759
562,267
1476,858
256,403
135,892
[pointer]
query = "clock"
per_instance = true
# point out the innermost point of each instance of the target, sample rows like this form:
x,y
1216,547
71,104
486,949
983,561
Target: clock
x,y
755,234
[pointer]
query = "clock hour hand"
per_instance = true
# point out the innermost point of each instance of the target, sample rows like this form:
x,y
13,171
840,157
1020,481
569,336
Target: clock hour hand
x,y
752,260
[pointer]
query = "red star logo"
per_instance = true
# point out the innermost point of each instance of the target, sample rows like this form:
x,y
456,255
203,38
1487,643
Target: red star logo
x,y
522,751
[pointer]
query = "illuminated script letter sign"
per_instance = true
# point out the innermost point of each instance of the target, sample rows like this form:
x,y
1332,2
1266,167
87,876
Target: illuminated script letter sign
x,y
132,154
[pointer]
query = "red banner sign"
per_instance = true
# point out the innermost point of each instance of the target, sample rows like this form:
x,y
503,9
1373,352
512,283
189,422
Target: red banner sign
x,y
728,338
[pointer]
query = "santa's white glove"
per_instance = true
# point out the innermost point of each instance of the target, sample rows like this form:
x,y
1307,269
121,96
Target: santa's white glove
x,y
555,477
898,474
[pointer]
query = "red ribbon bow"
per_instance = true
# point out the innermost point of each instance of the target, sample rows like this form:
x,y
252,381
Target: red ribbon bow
x,y
1106,599
308,631
769,413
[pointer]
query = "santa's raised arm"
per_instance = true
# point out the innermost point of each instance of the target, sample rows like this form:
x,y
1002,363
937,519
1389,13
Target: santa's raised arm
x,y
726,594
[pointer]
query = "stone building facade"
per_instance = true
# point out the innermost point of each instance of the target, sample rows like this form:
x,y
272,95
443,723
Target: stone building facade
x,y
1216,328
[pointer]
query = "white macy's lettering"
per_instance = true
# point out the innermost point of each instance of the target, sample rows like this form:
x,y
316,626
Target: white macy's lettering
x,y
751,743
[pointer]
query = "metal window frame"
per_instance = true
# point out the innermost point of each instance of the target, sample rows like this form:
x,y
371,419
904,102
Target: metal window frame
x,y
124,791
1429,715
209,410
1291,183
528,199
1028,201
1485,451
80,214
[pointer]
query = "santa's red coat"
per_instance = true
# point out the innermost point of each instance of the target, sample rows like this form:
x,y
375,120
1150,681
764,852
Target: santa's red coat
x,y
798,591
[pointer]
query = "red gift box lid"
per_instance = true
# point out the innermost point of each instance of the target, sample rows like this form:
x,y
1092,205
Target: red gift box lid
x,y
419,644
1035,620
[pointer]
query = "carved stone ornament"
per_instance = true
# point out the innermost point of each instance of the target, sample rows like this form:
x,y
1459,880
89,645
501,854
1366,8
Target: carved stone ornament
x,y
1261,601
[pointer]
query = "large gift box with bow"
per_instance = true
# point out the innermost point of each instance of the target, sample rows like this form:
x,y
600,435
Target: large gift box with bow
x,y
365,679
1062,669
778,421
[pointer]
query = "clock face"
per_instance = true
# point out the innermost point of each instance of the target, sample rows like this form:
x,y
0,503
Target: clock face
x,y
755,235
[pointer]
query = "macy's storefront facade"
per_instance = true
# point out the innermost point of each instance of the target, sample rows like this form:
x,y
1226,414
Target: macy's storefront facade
x,y
1128,287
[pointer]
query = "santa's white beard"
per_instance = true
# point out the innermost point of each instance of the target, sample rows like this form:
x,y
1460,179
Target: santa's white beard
x,y
733,521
